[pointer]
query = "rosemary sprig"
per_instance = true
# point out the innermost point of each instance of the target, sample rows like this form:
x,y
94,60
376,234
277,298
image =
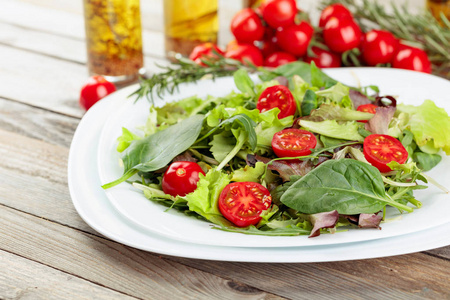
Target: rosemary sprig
x,y
421,30
185,70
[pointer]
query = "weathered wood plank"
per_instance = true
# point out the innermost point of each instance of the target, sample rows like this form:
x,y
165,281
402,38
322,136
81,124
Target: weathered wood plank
x,y
21,278
414,276
123,269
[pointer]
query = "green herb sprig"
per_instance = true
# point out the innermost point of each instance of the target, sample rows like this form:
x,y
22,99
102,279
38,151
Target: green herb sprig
x,y
421,30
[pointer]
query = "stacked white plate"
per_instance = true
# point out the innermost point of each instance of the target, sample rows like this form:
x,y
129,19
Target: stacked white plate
x,y
123,214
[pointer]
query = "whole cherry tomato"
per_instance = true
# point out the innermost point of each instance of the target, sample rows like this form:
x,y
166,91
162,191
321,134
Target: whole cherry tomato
x,y
279,13
380,149
95,89
368,108
324,58
204,51
378,47
293,142
278,58
334,10
277,96
246,26
269,43
411,58
295,39
242,203
341,35
244,52
181,178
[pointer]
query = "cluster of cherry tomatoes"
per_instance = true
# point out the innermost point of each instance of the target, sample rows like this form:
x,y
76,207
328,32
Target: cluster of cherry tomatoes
x,y
277,32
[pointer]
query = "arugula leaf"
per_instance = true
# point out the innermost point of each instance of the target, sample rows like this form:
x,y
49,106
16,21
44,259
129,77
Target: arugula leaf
x,y
243,82
346,185
157,150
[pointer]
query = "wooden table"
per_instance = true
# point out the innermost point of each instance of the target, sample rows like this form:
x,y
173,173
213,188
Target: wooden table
x,y
48,252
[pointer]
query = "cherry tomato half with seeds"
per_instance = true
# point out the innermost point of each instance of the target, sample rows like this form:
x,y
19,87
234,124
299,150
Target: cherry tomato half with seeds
x,y
279,13
242,203
246,26
341,35
368,108
181,178
244,53
295,39
324,58
380,149
335,10
278,59
411,58
293,142
204,51
378,47
277,96
96,88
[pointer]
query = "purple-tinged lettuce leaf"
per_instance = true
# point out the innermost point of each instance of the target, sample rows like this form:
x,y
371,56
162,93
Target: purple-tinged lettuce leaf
x,y
370,220
358,98
323,220
286,168
379,123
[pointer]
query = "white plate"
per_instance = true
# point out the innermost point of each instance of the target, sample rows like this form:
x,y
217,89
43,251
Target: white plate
x,y
130,202
93,206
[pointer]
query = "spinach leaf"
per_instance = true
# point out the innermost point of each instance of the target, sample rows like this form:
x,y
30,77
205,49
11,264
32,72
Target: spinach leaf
x,y
346,185
243,82
157,150
309,103
426,161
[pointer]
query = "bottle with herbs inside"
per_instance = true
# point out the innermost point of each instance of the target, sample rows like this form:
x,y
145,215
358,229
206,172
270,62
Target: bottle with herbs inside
x,y
114,39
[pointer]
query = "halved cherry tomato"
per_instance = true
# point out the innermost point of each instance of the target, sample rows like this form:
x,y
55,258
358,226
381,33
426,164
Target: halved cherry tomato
x,y
246,26
244,53
277,96
95,89
368,108
295,39
324,58
378,47
380,149
204,51
342,34
181,178
411,58
242,203
335,10
279,13
293,142
278,58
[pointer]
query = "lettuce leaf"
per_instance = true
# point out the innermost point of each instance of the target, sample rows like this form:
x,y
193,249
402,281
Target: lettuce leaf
x,y
331,128
430,126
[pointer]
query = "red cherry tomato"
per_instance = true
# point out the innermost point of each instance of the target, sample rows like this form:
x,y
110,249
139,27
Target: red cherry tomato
x,y
341,35
279,13
242,203
269,43
295,39
324,58
204,51
378,47
335,10
95,89
368,108
411,58
277,96
244,52
278,58
246,26
380,149
293,142
181,178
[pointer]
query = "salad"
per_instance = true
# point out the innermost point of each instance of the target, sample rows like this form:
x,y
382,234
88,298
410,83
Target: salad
x,y
292,153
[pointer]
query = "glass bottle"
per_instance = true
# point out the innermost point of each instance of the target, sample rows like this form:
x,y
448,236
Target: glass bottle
x,y
188,23
114,39
438,6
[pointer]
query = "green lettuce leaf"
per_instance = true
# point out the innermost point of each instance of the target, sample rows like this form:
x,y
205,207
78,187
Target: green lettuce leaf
x,y
430,126
331,128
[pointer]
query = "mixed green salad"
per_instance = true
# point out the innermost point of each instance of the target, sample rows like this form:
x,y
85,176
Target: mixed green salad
x,y
297,153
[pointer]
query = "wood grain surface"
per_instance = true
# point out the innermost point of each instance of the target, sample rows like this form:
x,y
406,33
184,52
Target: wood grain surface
x,y
48,252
